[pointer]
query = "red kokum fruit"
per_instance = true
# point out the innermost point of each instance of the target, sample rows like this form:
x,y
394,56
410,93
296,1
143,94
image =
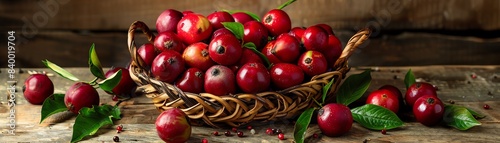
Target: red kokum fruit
x,y
253,78
191,81
216,19
297,32
256,33
168,41
286,48
220,80
285,75
186,12
334,119
326,27
396,92
428,110
333,50
313,63
173,126
225,49
277,22
80,95
148,53
221,31
417,90
267,51
126,86
242,17
384,98
196,55
249,56
194,28
167,66
37,87
315,38
167,21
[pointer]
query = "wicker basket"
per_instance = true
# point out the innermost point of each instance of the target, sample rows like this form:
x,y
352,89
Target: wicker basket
x,y
237,109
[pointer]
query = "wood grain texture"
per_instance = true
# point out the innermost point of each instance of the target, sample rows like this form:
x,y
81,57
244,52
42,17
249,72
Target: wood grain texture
x,y
454,82
340,14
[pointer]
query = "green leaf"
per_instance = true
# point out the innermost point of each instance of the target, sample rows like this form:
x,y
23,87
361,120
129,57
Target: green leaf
x,y
409,79
376,117
52,105
95,64
235,27
286,4
354,87
476,114
91,119
326,88
57,69
459,117
110,83
299,131
253,47
253,15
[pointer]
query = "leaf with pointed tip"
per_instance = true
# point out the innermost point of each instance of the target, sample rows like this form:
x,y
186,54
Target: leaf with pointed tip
x,y
354,87
236,28
89,120
110,83
376,117
299,131
52,105
409,79
459,117
60,71
326,88
94,63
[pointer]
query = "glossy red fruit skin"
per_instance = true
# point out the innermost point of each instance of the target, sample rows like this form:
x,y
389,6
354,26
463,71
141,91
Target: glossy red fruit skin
x,y
334,119
277,22
216,19
249,56
186,12
37,87
286,48
242,17
268,52
220,80
225,49
253,78
80,95
396,92
285,75
297,32
167,21
173,126
384,98
167,66
256,33
333,50
428,110
191,81
418,90
326,27
313,63
221,31
194,28
148,53
196,55
315,38
169,41
126,86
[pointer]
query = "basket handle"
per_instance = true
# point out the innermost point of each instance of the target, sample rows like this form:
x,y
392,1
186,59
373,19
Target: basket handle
x,y
132,47
353,43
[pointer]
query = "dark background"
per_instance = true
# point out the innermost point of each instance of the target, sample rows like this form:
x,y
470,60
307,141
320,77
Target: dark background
x,y
406,33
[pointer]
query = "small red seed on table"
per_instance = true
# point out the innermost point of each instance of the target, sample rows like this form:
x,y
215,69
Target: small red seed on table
x,y
215,133
281,136
384,132
204,140
486,106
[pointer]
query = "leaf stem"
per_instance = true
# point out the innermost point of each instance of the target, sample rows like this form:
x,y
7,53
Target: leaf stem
x,y
319,104
94,81
286,4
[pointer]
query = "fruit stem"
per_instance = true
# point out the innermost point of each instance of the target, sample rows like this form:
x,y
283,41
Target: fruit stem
x,y
319,104
94,81
286,4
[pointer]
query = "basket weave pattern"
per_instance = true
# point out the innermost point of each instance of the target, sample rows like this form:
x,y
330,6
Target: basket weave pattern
x,y
241,108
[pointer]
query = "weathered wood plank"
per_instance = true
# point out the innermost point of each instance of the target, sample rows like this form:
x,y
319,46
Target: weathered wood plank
x,y
341,14
139,114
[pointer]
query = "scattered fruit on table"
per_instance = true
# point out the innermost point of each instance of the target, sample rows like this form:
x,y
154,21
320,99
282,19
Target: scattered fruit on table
x,y
428,110
418,90
173,126
126,86
384,98
281,136
81,95
334,119
37,87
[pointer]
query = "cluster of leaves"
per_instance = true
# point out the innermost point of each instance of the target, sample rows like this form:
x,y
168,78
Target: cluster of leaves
x,y
376,117
89,120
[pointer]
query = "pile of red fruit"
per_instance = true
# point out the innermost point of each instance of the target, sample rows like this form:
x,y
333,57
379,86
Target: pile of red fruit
x,y
199,53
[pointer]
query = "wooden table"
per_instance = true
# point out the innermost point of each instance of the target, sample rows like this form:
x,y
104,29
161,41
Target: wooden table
x,y
454,82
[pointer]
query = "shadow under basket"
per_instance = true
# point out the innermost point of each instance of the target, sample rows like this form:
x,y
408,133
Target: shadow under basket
x,y
240,108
